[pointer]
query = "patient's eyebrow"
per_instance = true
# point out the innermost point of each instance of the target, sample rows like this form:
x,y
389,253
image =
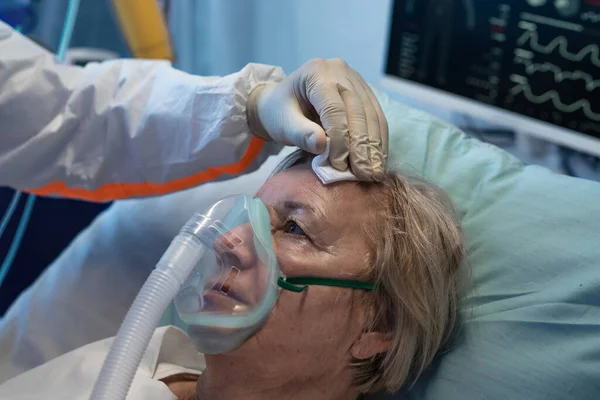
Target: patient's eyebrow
x,y
291,206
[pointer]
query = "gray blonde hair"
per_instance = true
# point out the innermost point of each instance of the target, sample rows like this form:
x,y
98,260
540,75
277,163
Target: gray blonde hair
x,y
417,250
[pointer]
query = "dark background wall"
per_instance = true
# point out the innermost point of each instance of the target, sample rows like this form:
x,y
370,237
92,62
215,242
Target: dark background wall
x,y
53,224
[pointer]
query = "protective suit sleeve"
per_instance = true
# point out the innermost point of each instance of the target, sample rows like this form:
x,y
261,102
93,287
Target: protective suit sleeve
x,y
123,128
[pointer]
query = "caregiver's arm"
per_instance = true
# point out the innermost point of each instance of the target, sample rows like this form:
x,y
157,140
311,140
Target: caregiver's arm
x,y
130,128
122,128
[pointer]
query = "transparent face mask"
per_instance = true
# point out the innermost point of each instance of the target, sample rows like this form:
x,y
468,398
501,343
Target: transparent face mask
x,y
231,291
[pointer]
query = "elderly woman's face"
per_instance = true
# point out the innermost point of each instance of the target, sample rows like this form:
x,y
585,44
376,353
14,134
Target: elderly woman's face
x,y
317,231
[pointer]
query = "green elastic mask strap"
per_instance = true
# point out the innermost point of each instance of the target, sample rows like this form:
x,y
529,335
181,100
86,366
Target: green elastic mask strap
x,y
298,284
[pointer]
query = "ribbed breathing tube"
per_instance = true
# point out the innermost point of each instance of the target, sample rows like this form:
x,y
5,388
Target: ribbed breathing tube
x,y
143,317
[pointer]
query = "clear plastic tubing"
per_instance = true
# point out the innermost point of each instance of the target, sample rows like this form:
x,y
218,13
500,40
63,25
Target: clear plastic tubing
x,y
143,317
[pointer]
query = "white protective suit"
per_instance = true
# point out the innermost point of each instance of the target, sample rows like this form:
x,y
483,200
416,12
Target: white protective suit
x,y
72,375
115,130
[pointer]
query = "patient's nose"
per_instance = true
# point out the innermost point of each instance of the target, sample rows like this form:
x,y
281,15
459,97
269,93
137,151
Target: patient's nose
x,y
236,247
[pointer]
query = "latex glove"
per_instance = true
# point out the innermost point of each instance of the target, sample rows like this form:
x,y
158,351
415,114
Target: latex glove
x,y
324,98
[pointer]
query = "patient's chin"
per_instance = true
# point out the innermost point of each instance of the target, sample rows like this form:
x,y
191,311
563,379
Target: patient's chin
x,y
212,340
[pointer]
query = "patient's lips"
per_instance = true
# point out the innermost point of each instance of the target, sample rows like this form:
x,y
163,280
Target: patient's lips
x,y
223,296
219,301
229,279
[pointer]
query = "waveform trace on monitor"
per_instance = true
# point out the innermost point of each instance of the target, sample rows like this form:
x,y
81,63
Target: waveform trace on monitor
x,y
562,44
559,75
554,97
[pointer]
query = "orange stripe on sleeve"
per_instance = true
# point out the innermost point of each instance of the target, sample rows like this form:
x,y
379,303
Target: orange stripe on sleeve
x,y
114,191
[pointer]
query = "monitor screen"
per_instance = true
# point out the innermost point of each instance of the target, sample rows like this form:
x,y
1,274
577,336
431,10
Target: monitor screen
x,y
539,59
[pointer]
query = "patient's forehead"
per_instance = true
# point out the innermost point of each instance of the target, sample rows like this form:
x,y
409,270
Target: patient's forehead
x,y
299,183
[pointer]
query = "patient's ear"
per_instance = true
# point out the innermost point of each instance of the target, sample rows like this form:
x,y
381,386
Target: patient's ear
x,y
370,344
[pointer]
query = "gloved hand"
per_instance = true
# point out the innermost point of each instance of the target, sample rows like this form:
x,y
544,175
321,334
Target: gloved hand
x,y
324,98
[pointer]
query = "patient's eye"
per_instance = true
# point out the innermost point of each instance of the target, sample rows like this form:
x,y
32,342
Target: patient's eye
x,y
293,228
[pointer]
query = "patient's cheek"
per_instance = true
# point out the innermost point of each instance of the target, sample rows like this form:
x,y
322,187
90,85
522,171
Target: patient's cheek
x,y
294,257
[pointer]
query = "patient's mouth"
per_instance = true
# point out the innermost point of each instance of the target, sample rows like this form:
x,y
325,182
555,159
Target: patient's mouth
x,y
220,301
226,285
222,295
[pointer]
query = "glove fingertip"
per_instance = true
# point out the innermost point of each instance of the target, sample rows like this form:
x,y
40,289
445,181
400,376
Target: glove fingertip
x,y
378,167
320,140
316,141
378,174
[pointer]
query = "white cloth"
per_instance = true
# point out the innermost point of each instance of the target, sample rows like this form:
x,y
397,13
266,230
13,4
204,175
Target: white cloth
x,y
326,173
120,128
72,375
